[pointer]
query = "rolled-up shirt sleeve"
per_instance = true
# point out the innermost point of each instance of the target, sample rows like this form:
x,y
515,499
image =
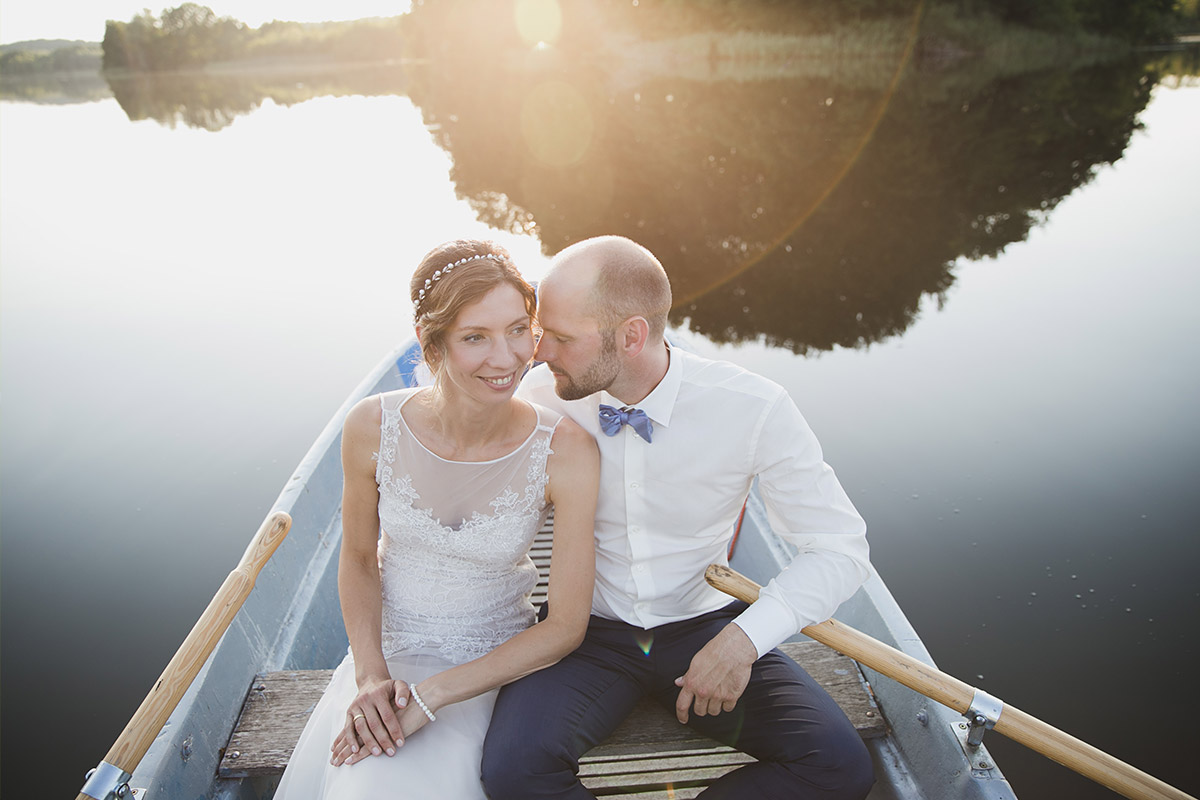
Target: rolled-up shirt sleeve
x,y
808,508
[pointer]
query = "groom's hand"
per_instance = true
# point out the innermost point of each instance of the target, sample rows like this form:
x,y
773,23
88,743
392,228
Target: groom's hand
x,y
717,675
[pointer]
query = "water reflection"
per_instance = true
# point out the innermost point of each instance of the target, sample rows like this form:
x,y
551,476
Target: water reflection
x,y
947,175
770,219
213,102
804,207
59,88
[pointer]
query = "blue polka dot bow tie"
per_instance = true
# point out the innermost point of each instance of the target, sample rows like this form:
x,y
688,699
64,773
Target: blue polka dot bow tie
x,y
611,420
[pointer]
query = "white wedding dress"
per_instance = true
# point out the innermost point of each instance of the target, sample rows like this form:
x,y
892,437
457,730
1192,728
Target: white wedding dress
x,y
456,574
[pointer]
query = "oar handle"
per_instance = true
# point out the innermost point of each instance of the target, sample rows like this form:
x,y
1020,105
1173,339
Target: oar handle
x,y
889,661
950,691
126,753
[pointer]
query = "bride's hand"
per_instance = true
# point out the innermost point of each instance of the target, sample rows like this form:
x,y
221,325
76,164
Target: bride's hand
x,y
371,719
346,749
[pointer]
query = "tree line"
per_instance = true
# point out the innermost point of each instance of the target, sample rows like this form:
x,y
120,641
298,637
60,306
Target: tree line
x,y
1133,20
48,55
192,35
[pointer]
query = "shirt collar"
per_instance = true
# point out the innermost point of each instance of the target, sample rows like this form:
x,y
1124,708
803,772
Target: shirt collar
x,y
659,404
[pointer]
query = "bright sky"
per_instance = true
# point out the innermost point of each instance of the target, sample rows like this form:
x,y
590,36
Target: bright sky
x,y
84,19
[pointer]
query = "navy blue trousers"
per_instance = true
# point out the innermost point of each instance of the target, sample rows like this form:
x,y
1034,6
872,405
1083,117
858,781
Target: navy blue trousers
x,y
544,722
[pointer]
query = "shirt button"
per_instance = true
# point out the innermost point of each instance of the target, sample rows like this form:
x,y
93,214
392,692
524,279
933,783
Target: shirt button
x,y
639,568
633,486
634,529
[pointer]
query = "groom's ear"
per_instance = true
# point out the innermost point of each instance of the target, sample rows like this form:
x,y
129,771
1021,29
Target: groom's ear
x,y
633,334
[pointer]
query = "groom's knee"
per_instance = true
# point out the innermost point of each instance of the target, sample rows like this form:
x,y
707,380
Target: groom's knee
x,y
855,773
843,771
513,767
495,767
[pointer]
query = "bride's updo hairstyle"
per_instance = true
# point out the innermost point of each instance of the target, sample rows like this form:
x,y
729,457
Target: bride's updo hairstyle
x,y
455,275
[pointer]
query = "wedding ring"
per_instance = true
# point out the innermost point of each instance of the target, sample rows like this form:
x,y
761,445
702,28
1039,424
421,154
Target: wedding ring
x,y
356,717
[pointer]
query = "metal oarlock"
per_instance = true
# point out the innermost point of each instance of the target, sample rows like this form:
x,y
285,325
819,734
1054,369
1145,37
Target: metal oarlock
x,y
106,781
983,715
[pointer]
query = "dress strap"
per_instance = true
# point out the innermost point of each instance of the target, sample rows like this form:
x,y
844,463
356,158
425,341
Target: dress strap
x,y
544,425
390,423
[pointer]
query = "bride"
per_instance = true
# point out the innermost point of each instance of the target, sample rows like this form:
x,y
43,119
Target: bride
x,y
445,487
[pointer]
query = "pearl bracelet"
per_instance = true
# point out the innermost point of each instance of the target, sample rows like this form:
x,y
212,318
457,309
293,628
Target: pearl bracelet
x,y
413,691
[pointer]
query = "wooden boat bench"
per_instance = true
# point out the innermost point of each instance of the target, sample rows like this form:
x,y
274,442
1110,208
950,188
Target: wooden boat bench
x,y
650,756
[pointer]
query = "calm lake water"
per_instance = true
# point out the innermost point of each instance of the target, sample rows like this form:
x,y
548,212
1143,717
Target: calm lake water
x,y
980,286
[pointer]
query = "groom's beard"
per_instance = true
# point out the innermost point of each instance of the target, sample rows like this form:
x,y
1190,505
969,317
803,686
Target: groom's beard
x,y
598,375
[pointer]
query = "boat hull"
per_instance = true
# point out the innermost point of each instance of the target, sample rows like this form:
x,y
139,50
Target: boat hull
x,y
292,620
921,757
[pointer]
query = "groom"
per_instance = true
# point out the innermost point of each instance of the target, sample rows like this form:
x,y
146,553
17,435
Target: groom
x,y
675,471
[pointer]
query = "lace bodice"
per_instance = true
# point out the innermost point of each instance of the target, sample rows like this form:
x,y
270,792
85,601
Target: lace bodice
x,y
455,537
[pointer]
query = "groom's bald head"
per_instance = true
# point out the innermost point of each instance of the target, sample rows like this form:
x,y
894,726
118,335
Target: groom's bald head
x,y
614,278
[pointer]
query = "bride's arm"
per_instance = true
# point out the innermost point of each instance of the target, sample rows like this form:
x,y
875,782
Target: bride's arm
x,y
372,713
574,473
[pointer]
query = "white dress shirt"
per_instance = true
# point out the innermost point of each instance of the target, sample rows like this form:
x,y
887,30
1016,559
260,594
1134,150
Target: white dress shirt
x,y
667,510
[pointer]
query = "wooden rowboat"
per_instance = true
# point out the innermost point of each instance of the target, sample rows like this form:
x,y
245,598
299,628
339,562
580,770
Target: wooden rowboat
x,y
233,729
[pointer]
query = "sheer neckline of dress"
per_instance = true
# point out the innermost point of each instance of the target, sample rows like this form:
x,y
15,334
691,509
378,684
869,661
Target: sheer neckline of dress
x,y
537,423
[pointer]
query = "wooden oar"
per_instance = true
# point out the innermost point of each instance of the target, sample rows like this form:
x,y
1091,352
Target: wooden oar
x,y
947,690
126,753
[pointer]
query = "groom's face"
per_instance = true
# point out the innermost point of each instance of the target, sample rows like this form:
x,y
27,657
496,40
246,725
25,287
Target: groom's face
x,y
582,358
593,375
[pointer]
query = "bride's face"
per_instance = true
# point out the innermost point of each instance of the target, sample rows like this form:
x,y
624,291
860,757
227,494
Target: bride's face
x,y
489,346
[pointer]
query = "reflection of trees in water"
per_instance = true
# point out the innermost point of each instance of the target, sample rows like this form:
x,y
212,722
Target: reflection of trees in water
x,y
1180,65
213,101
55,88
726,181
959,177
198,102
779,206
